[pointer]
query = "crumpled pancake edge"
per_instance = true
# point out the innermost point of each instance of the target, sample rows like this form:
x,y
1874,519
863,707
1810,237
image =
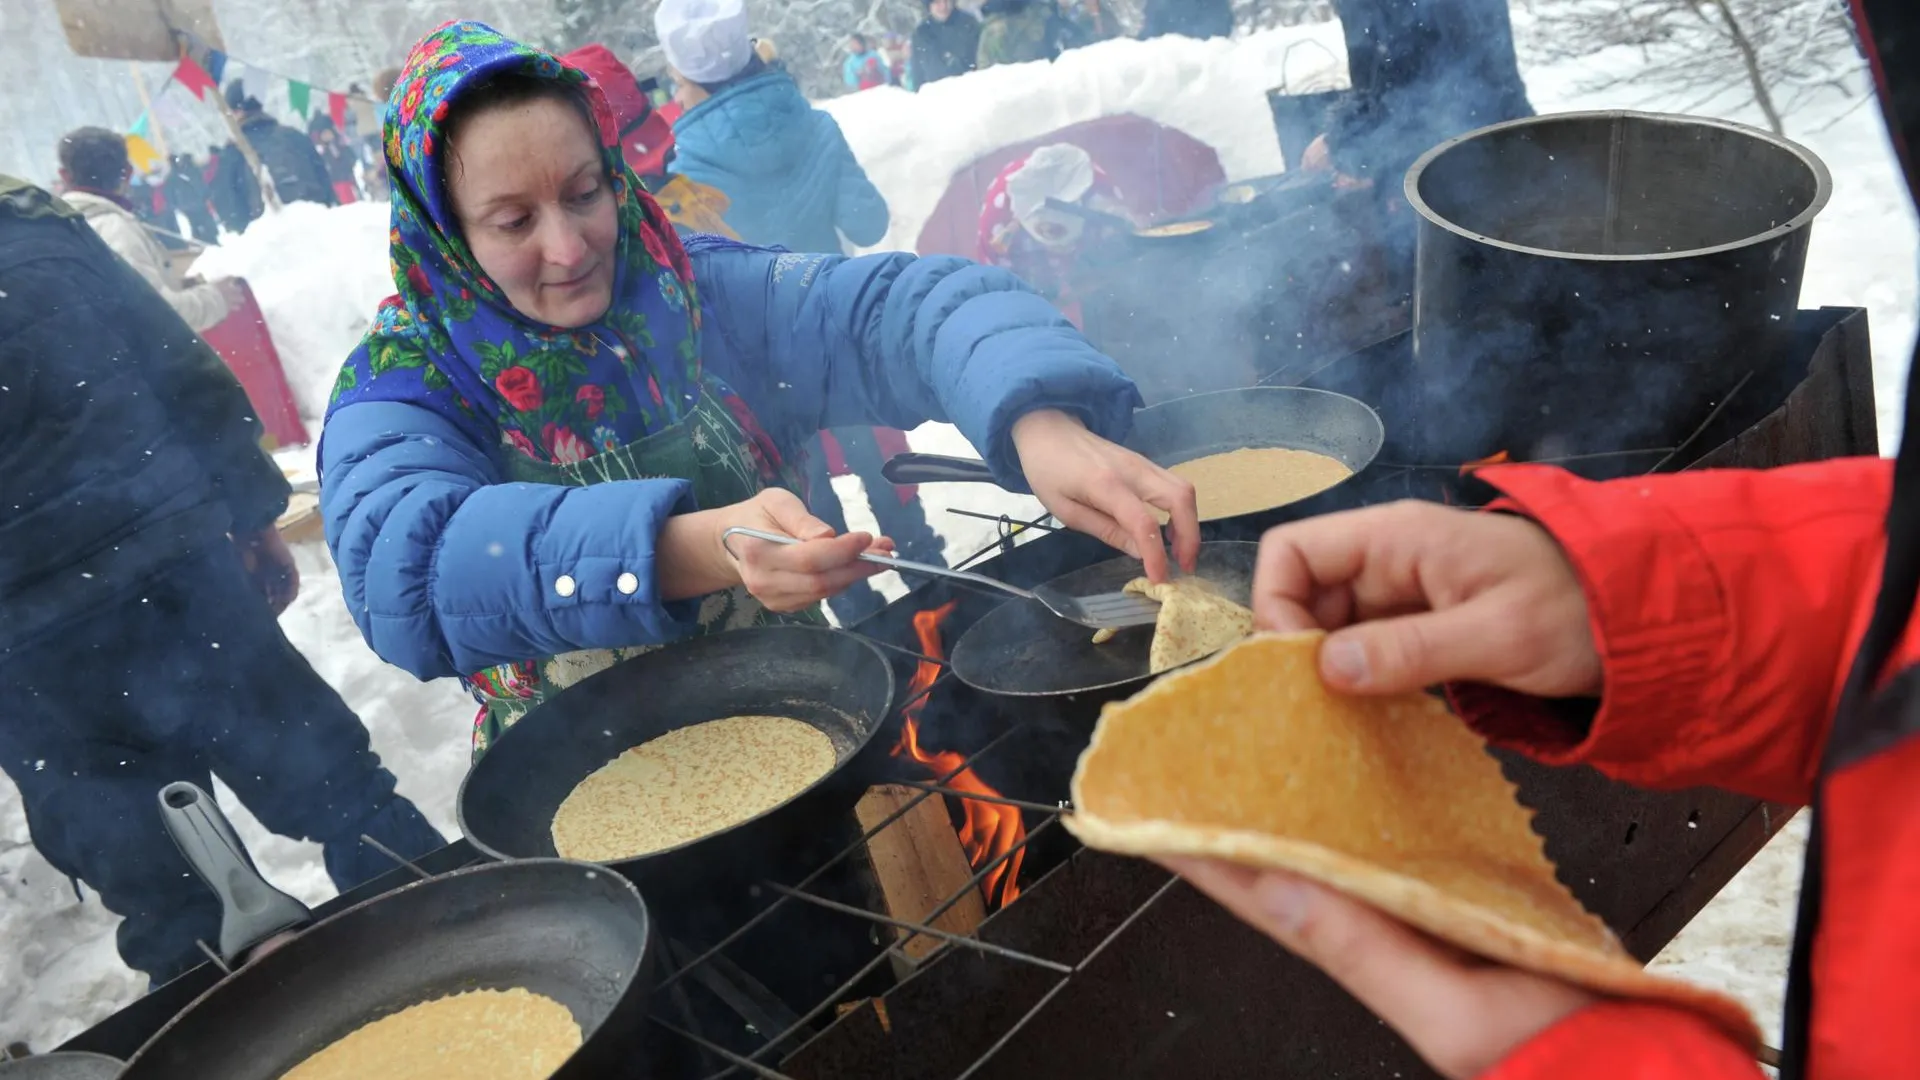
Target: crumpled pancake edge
x,y
1465,925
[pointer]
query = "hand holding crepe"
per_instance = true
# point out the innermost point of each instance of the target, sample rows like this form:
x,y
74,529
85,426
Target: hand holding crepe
x,y
1195,622
1391,800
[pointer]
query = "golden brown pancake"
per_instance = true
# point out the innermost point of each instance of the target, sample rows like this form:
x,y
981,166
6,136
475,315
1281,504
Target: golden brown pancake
x,y
1195,622
1250,758
688,783
479,1035
1250,480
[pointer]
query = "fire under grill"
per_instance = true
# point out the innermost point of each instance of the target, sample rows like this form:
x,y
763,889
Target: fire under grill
x,y
1036,957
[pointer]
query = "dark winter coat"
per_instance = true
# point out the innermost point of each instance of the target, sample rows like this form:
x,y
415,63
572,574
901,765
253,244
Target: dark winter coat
x,y
1017,32
942,50
289,157
784,166
1191,18
186,191
1422,73
125,444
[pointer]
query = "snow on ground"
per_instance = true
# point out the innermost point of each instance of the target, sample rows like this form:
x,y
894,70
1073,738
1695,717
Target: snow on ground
x,y
318,274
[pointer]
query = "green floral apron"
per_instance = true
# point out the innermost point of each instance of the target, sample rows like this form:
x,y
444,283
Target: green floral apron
x,y
711,448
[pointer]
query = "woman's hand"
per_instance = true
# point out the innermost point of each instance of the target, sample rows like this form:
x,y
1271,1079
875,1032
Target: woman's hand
x,y
1415,594
1107,491
787,577
1462,1014
270,567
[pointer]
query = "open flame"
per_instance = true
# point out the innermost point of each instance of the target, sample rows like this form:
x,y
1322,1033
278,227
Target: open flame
x,y
990,829
1498,457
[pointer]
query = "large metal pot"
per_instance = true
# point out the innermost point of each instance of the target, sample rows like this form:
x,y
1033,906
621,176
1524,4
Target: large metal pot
x,y
1598,281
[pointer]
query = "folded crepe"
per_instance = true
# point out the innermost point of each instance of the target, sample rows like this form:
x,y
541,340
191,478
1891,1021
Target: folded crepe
x,y
1392,800
1195,622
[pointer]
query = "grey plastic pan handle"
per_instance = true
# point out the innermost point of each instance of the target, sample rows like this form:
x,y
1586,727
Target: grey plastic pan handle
x,y
251,910
935,469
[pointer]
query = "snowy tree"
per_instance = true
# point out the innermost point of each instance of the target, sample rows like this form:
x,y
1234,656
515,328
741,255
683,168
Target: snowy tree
x,y
1772,54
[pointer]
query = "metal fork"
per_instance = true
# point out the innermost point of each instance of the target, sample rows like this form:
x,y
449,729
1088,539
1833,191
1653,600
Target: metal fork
x,y
1101,611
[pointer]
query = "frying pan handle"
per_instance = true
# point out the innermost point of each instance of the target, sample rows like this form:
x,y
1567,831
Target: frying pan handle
x,y
935,469
250,909
889,561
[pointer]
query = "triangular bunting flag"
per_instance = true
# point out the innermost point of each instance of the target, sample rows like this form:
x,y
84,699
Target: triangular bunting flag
x,y
140,126
299,97
216,65
194,77
337,108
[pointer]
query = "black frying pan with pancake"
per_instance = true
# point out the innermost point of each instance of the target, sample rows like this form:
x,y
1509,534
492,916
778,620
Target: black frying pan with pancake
x,y
570,931
1260,417
1022,649
836,682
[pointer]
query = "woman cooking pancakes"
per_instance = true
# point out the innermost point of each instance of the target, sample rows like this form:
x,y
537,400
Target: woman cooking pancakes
x,y
529,462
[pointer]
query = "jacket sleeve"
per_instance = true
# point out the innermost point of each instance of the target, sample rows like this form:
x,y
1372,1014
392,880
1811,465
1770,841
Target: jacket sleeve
x,y
1726,607
860,211
820,341
1616,1039
201,306
448,569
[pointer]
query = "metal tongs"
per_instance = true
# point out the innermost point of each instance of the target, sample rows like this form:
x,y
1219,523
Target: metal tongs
x,y
1101,611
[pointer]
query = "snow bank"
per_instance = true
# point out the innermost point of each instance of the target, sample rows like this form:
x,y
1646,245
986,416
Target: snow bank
x,y
912,144
318,272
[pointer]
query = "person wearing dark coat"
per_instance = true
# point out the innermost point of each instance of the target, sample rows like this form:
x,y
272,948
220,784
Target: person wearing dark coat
x,y
1421,74
141,575
288,156
186,191
945,44
1018,32
1191,18
336,155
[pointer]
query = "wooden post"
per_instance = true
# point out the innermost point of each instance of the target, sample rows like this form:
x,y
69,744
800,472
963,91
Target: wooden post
x,y
919,864
146,106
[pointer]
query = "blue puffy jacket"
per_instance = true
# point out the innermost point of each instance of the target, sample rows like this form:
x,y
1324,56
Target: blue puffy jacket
x,y
443,562
783,164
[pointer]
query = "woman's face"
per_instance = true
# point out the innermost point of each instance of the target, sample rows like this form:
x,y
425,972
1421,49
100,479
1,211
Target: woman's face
x,y
532,197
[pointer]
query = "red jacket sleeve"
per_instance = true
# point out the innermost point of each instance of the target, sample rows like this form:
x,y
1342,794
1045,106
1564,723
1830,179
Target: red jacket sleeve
x,y
1725,605
1627,1040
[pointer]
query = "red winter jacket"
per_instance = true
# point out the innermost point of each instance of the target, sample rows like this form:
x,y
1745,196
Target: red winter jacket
x,y
1757,633
1727,608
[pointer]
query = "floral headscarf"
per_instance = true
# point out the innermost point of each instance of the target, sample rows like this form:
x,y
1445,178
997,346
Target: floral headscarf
x,y
450,341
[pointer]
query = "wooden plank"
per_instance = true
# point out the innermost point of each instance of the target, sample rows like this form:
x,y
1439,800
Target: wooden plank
x,y
919,863
136,29
302,520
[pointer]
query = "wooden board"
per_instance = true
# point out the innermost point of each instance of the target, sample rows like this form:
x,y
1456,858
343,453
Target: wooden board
x,y
302,519
919,864
136,29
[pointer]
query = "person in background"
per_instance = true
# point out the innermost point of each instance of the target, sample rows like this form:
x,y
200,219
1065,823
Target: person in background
x,y
644,135
1084,22
864,67
1017,32
1193,18
1021,230
94,172
336,156
564,408
945,44
141,576
291,162
785,168
1421,74
186,190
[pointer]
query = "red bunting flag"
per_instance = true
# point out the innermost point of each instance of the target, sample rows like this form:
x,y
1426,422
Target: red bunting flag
x,y
194,77
337,108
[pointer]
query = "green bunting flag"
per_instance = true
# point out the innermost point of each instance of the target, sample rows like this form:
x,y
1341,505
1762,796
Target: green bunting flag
x,y
298,95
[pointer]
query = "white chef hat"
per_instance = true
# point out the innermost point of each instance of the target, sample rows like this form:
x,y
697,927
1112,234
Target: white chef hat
x,y
705,40
1060,171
